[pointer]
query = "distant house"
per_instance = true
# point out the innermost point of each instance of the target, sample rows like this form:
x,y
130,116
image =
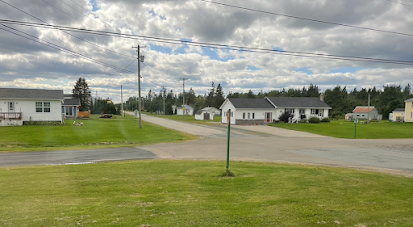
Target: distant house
x,y
204,115
19,105
269,109
397,115
188,110
70,106
408,110
365,112
212,110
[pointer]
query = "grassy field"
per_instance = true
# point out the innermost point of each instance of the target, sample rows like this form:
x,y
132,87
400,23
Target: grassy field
x,y
188,119
343,129
95,133
193,193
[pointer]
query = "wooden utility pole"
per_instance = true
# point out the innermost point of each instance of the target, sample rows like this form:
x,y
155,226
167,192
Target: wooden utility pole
x,y
121,100
140,59
183,97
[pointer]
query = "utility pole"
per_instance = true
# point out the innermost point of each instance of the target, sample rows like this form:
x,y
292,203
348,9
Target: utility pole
x,y
368,110
183,97
140,58
164,96
121,100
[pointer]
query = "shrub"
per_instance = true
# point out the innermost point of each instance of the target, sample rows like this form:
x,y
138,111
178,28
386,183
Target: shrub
x,y
326,119
42,123
303,121
314,120
285,117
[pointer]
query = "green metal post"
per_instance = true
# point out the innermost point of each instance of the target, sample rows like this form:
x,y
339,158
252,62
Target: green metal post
x,y
229,136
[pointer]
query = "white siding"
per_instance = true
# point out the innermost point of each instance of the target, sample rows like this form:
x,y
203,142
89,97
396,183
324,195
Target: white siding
x,y
228,105
28,109
187,112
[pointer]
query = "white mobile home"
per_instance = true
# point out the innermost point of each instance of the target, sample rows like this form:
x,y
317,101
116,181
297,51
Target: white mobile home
x,y
269,109
20,105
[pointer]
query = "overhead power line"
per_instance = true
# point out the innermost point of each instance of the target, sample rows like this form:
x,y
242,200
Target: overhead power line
x,y
57,47
91,43
308,19
211,45
401,3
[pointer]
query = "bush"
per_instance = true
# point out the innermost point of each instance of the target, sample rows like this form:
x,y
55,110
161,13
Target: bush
x,y
314,120
285,117
303,121
326,119
42,123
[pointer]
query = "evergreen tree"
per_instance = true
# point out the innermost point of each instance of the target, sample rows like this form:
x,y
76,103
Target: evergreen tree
x,y
219,99
211,95
81,91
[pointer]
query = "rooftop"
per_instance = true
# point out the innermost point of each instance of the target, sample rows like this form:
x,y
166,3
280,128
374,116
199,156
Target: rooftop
x,y
298,102
250,103
20,93
363,109
399,110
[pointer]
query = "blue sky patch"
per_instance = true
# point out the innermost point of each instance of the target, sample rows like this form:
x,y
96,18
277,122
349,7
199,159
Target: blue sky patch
x,y
94,4
161,49
152,12
253,68
304,70
181,50
347,70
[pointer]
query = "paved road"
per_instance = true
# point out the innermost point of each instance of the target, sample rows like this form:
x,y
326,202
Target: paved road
x,y
259,143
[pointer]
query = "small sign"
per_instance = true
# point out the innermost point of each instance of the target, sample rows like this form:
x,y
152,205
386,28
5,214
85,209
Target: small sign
x,y
183,108
228,118
136,113
356,121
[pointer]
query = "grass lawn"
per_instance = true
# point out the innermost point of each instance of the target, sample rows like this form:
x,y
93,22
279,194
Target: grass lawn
x,y
192,193
343,129
95,133
188,119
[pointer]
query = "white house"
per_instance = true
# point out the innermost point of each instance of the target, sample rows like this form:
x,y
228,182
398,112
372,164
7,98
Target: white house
x,y
188,110
70,106
204,115
269,109
20,105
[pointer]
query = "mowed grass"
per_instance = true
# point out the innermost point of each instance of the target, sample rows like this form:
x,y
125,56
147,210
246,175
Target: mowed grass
x,y
188,119
95,133
193,193
343,129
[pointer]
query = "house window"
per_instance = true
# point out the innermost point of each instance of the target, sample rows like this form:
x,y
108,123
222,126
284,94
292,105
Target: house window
x,y
412,114
11,106
253,115
232,114
46,106
248,115
315,111
321,113
402,114
39,107
243,115
302,111
358,115
291,111
42,107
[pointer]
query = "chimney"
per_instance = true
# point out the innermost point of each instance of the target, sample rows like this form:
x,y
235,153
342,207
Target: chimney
x,y
322,97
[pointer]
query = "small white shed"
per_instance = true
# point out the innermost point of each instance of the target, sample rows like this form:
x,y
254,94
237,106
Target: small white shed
x,y
204,115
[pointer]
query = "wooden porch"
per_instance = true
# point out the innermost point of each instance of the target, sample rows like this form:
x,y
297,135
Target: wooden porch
x,y
10,115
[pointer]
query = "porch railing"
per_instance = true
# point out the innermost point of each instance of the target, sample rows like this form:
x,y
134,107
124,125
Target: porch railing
x,y
10,115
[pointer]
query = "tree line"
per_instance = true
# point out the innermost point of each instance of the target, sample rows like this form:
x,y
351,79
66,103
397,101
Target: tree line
x,y
341,100
153,102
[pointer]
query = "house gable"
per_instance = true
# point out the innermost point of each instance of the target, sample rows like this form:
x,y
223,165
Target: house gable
x,y
298,102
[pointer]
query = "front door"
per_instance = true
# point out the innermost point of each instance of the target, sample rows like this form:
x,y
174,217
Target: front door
x,y
268,117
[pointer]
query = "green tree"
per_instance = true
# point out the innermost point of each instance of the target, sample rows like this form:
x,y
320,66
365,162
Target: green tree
x,y
219,99
81,91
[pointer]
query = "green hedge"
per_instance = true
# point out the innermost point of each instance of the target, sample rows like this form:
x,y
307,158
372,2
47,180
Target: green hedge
x,y
326,119
42,123
314,120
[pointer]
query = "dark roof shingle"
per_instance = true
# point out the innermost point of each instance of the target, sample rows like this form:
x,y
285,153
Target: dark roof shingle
x,y
19,93
399,110
71,102
297,102
251,103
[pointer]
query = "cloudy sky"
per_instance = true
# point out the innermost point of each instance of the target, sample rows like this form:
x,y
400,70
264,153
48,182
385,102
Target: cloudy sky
x,y
25,63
